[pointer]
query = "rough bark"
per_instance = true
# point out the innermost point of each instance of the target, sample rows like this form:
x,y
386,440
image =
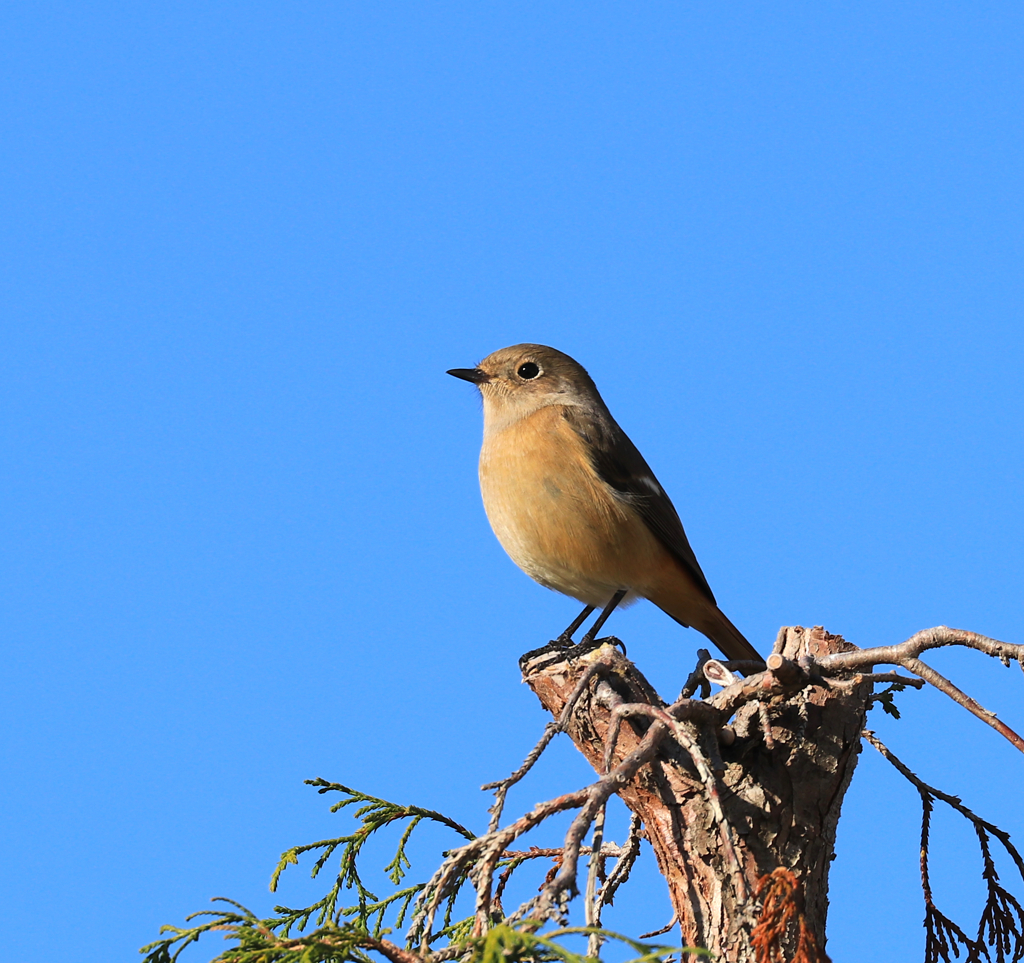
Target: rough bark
x,y
781,784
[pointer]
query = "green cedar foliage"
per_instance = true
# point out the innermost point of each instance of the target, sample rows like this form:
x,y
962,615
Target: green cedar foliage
x,y
356,933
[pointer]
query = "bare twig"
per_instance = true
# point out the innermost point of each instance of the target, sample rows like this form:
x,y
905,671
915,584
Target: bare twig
x,y
856,680
598,793
624,865
391,952
483,851
954,801
744,666
387,949
517,857
480,857
907,654
502,786
536,852
693,709
591,906
889,677
943,684
672,922
619,713
920,642
1002,920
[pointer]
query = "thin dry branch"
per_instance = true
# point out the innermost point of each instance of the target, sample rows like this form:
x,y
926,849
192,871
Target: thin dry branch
x,y
1002,920
664,929
696,679
536,852
919,642
591,906
391,952
943,684
480,857
624,865
486,850
860,677
598,793
906,654
502,786
595,868
517,857
954,801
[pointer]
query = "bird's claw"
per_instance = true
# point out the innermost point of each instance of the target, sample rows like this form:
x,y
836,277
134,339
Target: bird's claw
x,y
567,650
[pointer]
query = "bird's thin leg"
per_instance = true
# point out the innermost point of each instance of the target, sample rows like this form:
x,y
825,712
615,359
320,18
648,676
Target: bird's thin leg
x,y
566,637
603,617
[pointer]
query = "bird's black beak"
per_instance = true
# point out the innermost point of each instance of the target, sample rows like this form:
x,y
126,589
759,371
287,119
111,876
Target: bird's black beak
x,y
475,375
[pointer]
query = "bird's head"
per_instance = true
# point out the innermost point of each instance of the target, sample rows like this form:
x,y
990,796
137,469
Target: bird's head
x,y
517,381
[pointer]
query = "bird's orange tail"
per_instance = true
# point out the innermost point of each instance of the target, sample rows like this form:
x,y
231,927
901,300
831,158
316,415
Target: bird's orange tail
x,y
728,638
678,594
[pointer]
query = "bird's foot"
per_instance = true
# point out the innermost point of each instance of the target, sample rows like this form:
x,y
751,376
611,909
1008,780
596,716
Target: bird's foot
x,y
586,645
558,648
562,650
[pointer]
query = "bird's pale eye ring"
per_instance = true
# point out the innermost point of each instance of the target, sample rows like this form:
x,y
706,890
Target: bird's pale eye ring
x,y
529,370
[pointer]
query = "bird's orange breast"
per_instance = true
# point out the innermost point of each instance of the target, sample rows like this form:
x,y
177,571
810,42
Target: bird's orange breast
x,y
554,515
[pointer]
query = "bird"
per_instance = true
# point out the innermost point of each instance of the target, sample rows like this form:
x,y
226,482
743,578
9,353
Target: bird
x,y
575,505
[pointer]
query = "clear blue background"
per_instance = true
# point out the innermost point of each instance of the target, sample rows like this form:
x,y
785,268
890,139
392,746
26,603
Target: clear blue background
x,y
241,536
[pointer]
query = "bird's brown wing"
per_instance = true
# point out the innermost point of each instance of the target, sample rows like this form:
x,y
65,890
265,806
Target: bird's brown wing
x,y
620,464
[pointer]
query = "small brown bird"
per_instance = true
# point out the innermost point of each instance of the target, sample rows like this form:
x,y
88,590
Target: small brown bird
x,y
573,502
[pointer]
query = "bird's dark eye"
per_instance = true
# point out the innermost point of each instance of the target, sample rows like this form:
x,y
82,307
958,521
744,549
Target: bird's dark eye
x,y
528,371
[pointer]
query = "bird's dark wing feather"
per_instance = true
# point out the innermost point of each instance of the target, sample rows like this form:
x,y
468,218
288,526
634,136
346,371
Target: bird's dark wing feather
x,y
620,464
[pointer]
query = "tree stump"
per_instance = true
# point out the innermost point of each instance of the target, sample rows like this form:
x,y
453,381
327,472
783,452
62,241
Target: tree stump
x,y
782,769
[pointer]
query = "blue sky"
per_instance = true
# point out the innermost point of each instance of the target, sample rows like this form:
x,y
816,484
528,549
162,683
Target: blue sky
x,y
242,538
